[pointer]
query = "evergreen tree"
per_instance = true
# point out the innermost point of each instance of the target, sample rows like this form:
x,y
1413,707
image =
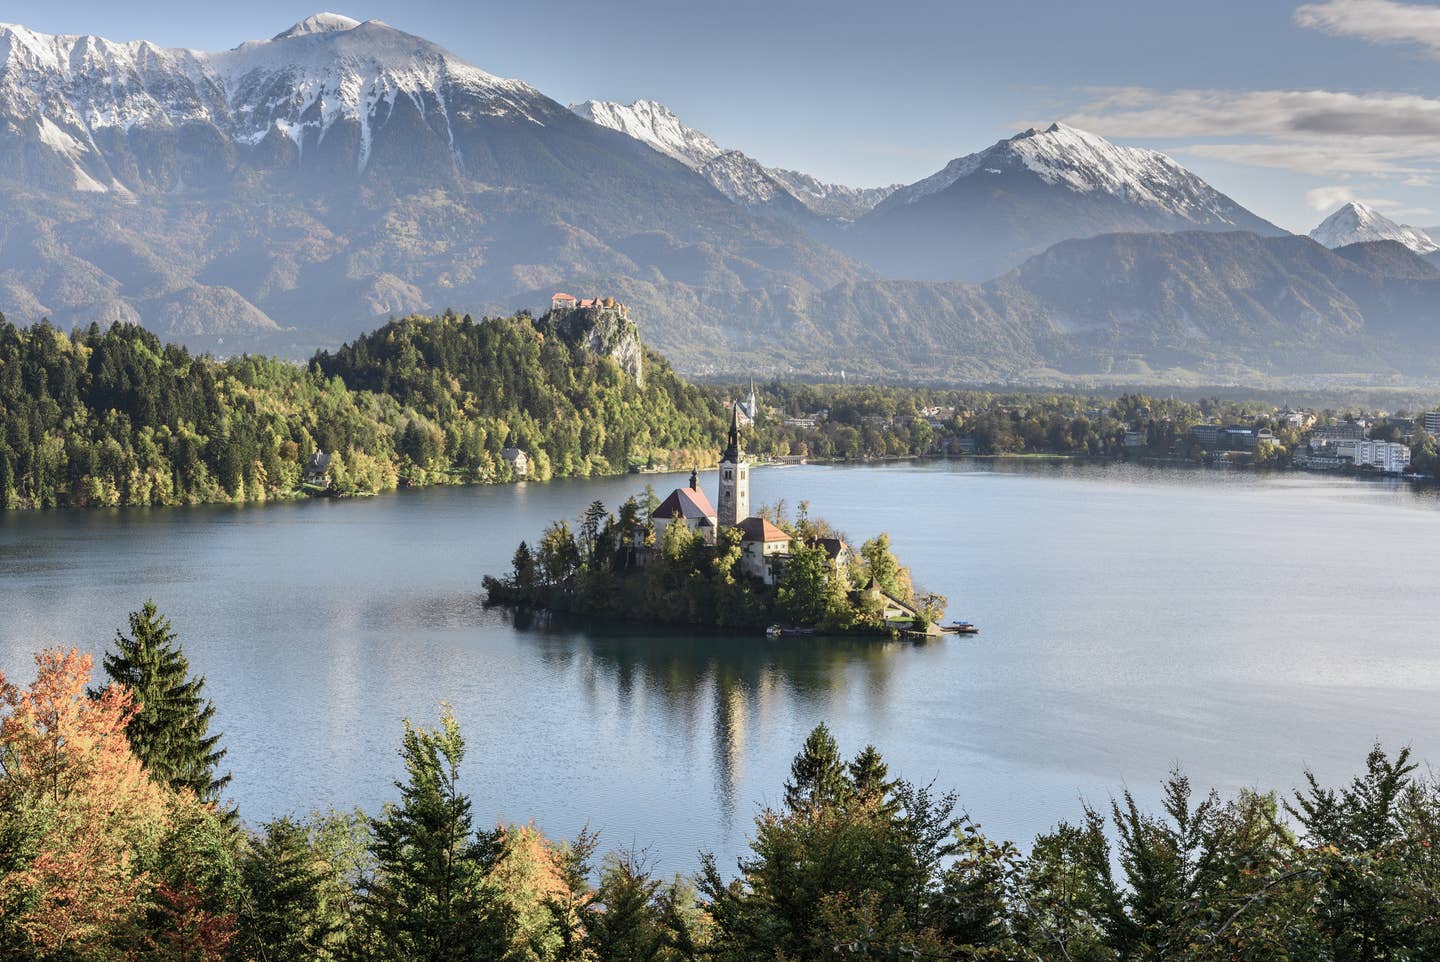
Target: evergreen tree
x,y
870,775
284,917
423,902
629,928
170,733
817,775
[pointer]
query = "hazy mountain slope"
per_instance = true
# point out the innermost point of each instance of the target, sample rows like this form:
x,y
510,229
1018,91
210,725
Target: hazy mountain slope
x,y
986,212
1223,303
1356,223
339,172
735,174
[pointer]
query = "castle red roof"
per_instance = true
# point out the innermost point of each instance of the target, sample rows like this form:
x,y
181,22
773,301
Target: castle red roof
x,y
562,297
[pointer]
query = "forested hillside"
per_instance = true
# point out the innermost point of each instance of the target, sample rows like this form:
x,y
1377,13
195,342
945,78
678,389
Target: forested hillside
x,y
114,417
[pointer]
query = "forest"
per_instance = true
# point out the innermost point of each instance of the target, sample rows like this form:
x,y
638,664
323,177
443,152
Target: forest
x,y
104,418
113,417
117,843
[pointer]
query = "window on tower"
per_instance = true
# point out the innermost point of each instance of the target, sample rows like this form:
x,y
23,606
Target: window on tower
x,y
727,475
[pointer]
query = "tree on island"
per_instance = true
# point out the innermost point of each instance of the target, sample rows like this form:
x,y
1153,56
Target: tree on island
x,y
170,733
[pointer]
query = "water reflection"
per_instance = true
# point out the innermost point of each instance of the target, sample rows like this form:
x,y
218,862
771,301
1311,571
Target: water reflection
x,y
737,681
1132,619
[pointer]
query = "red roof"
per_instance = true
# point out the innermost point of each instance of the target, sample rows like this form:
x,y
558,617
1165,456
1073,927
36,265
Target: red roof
x,y
686,502
758,529
562,297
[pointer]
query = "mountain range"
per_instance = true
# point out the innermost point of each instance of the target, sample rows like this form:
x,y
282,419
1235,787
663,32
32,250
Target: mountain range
x,y
285,194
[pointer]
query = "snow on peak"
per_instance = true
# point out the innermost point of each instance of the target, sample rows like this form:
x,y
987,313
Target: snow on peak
x,y
319,23
1084,162
737,175
324,69
1357,223
654,124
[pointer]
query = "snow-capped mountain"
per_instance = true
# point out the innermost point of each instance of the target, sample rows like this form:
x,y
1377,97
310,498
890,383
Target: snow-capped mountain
x,y
95,115
1356,223
735,174
985,212
342,171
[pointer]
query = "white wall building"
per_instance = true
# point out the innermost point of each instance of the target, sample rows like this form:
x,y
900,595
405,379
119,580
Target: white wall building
x,y
1388,456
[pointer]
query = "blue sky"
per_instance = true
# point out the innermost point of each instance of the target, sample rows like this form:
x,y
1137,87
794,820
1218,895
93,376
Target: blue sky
x,y
1291,108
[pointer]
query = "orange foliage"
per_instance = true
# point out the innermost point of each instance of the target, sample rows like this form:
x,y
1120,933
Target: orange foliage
x,y
68,771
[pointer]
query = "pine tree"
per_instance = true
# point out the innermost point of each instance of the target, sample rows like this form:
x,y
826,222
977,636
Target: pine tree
x,y
170,733
284,915
424,901
817,775
629,929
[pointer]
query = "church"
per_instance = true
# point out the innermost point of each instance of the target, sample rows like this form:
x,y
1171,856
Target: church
x,y
764,546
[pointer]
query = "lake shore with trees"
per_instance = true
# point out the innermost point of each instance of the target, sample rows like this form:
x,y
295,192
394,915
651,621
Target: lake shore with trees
x,y
115,418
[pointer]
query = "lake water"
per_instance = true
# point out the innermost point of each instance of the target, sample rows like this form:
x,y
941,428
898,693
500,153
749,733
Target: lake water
x,y
1243,627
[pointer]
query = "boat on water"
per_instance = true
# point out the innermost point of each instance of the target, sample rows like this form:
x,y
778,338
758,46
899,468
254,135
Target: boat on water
x,y
960,628
781,631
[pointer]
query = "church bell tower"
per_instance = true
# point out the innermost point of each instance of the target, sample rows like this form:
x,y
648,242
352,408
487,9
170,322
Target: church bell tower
x,y
733,505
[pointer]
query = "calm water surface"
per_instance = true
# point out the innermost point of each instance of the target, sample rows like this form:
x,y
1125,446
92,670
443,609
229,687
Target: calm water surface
x,y
1242,627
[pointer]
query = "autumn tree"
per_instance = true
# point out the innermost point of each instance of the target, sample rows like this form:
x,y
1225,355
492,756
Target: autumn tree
x,y
79,819
170,729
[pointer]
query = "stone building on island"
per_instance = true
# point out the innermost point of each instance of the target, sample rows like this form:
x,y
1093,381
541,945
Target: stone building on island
x,y
764,547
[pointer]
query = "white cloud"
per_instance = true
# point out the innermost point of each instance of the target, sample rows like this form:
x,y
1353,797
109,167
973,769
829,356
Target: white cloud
x,y
1318,132
1378,21
1328,198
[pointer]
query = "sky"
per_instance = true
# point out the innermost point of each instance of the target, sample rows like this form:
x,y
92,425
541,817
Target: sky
x,y
1291,108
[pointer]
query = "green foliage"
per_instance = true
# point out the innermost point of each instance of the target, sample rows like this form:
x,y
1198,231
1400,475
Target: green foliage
x,y
171,731
113,417
286,916
424,899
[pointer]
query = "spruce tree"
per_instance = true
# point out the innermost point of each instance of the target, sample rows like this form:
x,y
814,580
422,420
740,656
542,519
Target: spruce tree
x,y
424,901
170,734
284,915
817,775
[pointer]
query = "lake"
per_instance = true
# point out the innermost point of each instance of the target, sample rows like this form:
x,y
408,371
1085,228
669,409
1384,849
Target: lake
x,y
1241,626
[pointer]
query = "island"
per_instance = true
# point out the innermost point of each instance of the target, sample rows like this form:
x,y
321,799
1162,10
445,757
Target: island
x,y
685,560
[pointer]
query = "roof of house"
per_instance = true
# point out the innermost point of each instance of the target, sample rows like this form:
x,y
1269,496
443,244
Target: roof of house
x,y
562,296
512,454
688,503
833,546
759,529
319,461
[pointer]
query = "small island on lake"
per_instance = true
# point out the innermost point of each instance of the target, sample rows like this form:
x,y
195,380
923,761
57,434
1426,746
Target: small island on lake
x,y
684,560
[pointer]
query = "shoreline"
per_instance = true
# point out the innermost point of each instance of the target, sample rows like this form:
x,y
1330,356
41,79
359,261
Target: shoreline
x,y
300,497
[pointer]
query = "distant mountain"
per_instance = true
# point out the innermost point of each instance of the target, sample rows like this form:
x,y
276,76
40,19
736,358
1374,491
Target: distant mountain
x,y
1356,223
736,175
1229,305
986,212
300,187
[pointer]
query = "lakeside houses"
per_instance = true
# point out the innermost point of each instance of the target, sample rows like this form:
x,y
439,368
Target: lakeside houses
x,y
518,461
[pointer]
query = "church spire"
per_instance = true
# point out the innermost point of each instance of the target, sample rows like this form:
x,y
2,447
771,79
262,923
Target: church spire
x,y
732,452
